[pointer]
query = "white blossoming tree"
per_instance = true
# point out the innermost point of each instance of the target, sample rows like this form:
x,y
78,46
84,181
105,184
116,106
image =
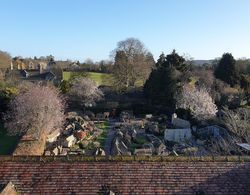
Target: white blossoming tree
x,y
197,101
85,91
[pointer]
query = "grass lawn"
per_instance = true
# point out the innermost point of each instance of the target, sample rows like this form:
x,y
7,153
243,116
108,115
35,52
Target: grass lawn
x,y
100,78
104,79
7,143
102,138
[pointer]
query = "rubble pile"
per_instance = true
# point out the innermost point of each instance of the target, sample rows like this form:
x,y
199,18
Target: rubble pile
x,y
78,132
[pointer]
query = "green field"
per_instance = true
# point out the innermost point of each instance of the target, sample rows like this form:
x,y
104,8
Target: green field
x,y
104,79
102,138
7,143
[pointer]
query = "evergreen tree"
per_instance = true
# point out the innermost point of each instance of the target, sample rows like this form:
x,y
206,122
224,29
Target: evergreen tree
x,y
161,85
226,70
161,60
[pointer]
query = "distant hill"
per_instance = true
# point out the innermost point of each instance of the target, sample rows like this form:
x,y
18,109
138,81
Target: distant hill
x,y
201,62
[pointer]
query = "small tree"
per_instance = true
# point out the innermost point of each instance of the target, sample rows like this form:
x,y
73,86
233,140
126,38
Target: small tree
x,y
85,91
39,109
197,101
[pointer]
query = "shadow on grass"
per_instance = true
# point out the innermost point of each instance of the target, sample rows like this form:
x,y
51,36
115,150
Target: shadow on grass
x,y
7,143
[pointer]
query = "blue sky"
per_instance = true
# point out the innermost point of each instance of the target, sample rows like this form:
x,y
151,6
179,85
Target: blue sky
x,y
80,29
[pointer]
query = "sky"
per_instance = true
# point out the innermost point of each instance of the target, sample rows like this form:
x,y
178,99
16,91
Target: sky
x,y
81,29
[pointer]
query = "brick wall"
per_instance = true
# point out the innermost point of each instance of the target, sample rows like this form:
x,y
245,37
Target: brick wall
x,y
67,176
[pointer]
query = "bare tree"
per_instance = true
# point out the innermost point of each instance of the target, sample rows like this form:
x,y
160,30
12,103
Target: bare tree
x,y
38,110
198,101
85,91
237,122
5,60
132,62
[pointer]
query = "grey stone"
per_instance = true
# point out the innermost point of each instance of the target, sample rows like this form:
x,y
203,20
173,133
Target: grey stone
x,y
47,153
64,151
69,141
143,152
152,127
96,144
100,152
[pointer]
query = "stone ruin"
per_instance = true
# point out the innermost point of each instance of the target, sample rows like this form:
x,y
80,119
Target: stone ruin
x,y
76,129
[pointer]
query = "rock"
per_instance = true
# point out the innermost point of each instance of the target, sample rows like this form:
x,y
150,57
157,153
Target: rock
x,y
127,138
100,152
79,151
177,135
200,142
96,144
99,116
148,116
47,153
159,148
165,153
53,136
175,153
119,147
106,115
55,151
84,124
91,123
90,128
148,145
60,148
151,137
143,152
79,119
68,130
71,115
190,150
152,128
119,134
69,141
78,126
72,153
85,143
125,116
64,152
85,117
80,135
180,123
90,114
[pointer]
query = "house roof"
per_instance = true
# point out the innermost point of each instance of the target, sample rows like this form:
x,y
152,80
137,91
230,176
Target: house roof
x,y
43,76
126,175
8,189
